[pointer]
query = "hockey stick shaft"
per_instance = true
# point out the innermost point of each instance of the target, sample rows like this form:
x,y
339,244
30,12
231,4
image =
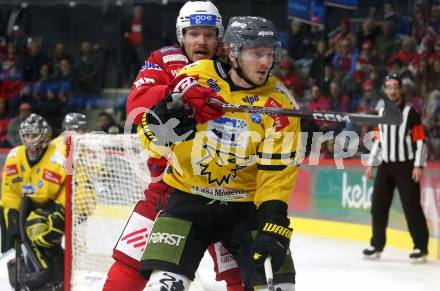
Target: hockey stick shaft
x,y
388,117
269,274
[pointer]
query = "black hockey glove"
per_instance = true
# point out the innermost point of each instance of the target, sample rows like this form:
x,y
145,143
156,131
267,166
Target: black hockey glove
x,y
168,122
273,237
10,228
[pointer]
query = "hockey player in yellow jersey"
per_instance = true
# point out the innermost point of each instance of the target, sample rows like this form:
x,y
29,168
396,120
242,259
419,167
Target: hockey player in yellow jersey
x,y
84,198
33,200
231,175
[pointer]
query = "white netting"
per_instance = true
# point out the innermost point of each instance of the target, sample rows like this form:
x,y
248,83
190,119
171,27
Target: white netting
x,y
109,177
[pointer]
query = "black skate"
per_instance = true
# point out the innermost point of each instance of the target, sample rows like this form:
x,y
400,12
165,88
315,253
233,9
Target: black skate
x,y
417,256
371,253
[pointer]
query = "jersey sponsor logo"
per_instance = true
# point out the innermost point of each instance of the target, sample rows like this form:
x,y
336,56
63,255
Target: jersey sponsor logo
x,y
228,131
168,49
251,99
213,84
166,238
151,66
222,194
52,176
256,118
174,72
225,260
280,121
11,170
134,236
202,19
17,180
143,81
28,189
175,58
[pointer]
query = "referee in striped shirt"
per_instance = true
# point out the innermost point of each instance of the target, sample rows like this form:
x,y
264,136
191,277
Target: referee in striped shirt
x,y
401,149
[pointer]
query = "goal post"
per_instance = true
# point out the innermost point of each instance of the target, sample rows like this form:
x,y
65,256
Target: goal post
x,y
107,175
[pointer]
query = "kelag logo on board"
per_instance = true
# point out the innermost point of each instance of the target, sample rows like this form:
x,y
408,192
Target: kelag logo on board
x,y
355,195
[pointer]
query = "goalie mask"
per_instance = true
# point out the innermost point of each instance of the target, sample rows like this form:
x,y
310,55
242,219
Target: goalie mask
x,y
75,122
198,13
35,134
251,32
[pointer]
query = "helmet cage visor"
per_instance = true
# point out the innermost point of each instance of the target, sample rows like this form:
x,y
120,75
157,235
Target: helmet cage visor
x,y
34,138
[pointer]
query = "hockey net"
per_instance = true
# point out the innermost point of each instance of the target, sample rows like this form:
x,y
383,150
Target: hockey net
x,y
107,176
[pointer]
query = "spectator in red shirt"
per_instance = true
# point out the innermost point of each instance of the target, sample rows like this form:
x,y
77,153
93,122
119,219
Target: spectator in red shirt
x,y
289,78
319,102
344,34
406,54
365,62
4,124
134,49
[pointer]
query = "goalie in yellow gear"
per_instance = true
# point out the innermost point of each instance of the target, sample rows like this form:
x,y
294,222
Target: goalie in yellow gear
x,y
32,208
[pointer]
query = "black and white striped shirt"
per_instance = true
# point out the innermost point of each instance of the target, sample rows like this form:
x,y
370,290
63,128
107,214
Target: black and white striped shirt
x,y
400,143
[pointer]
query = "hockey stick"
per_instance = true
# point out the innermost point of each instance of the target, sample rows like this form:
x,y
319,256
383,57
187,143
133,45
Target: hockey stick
x,y
390,115
269,274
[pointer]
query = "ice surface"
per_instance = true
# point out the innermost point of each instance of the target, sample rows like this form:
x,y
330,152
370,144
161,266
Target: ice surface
x,y
325,265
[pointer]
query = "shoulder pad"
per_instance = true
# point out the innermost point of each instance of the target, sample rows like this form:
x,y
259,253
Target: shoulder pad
x,y
195,64
58,158
151,66
13,153
168,49
286,92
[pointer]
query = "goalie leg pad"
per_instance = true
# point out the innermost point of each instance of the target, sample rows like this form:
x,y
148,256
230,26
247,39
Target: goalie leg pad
x,y
9,228
167,281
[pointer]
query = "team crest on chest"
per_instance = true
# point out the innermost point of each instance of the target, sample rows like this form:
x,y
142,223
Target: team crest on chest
x,y
219,166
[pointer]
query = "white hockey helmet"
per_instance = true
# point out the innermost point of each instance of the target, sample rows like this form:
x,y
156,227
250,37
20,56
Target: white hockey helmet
x,y
198,13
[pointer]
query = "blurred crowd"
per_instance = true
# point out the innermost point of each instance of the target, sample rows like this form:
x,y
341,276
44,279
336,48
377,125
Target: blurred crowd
x,y
337,70
334,70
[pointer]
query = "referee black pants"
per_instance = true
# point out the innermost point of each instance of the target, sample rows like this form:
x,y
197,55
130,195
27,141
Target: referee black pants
x,y
390,175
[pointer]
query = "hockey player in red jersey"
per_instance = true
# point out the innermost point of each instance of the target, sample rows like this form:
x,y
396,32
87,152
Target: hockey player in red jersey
x,y
199,31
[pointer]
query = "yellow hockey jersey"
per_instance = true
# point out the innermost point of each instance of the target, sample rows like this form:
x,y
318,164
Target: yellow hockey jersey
x,y
42,183
239,156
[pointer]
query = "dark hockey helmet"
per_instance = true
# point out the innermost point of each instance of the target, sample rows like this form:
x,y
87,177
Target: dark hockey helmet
x,y
35,134
251,31
74,122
